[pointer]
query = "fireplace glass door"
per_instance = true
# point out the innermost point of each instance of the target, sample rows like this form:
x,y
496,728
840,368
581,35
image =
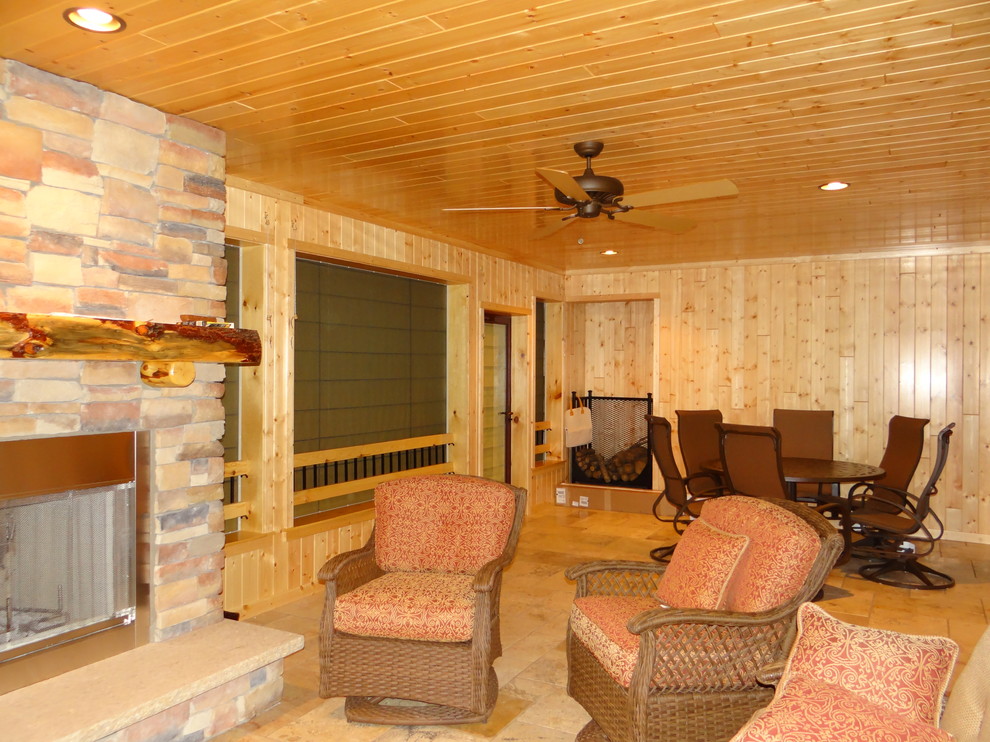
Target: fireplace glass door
x,y
66,564
70,592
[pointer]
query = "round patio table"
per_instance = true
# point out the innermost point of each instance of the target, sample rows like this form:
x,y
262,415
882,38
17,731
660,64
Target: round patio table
x,y
825,471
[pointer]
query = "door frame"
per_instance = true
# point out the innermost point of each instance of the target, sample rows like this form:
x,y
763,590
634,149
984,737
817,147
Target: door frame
x,y
504,320
522,404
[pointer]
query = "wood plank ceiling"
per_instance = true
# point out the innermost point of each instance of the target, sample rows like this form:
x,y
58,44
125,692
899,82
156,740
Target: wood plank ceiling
x,y
395,110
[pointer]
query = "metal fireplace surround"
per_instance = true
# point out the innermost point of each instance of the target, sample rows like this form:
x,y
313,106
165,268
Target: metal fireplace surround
x,y
89,483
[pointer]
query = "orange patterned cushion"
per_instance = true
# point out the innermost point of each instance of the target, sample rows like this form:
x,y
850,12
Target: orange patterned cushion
x,y
904,673
409,605
701,567
441,523
782,550
809,710
599,622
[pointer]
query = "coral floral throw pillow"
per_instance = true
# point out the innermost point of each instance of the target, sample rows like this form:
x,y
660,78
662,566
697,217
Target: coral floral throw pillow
x,y
904,673
701,568
847,683
808,710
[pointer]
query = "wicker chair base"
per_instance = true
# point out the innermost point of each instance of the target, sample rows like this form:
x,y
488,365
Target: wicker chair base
x,y
591,732
713,716
368,710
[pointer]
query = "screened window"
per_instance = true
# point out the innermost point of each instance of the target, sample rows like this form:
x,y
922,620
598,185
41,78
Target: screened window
x,y
370,366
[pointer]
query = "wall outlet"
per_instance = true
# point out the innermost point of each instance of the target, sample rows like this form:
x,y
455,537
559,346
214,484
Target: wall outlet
x,y
583,500
561,496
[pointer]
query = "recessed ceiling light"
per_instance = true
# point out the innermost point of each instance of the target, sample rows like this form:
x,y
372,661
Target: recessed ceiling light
x,y
610,252
94,19
834,185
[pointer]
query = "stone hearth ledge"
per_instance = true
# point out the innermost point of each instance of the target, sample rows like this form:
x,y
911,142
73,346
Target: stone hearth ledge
x,y
102,698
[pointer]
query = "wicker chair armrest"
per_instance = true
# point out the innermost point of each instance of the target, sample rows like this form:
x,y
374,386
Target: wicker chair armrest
x,y
486,578
616,577
770,674
720,649
350,569
657,618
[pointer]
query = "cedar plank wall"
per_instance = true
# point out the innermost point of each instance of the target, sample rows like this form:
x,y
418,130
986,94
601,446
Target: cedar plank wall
x,y
282,565
868,337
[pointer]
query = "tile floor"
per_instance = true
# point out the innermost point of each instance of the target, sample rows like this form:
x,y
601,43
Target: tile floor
x,y
533,705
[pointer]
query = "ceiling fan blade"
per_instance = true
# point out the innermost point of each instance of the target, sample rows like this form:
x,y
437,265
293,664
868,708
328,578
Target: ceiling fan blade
x,y
563,183
694,192
675,224
507,208
548,229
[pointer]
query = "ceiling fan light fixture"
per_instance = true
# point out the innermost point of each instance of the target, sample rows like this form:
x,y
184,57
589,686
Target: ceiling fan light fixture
x,y
94,19
610,251
833,185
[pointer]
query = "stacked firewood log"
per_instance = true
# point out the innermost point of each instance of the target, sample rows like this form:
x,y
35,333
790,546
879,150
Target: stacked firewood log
x,y
630,462
624,466
593,465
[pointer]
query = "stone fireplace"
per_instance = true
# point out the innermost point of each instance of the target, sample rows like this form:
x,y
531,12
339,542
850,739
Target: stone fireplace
x,y
113,209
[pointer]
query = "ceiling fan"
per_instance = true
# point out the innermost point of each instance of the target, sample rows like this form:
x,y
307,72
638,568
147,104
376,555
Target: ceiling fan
x,y
589,195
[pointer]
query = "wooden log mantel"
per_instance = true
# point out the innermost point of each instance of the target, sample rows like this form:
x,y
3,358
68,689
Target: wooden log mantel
x,y
162,346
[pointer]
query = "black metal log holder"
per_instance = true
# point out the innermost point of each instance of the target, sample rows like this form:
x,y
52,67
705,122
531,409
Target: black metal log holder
x,y
619,440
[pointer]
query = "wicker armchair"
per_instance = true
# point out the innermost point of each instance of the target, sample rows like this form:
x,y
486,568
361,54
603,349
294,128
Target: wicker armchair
x,y
414,614
647,670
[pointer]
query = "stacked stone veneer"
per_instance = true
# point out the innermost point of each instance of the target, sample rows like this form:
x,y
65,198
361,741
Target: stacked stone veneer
x,y
113,209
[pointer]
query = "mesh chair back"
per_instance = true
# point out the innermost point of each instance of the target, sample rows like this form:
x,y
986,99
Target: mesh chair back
x,y
663,453
698,439
751,460
905,442
806,434
924,499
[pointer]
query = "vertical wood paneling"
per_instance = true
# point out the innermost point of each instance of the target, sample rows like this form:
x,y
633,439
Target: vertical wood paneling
x,y
868,338
983,450
610,348
283,565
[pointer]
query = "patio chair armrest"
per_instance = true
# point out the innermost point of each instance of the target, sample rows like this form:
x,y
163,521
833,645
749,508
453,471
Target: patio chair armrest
x,y
349,570
907,505
859,498
714,491
859,488
616,577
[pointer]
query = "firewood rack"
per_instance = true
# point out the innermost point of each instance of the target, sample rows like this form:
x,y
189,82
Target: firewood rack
x,y
619,454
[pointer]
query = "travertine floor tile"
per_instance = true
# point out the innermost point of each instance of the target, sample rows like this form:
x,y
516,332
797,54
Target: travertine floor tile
x,y
520,731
